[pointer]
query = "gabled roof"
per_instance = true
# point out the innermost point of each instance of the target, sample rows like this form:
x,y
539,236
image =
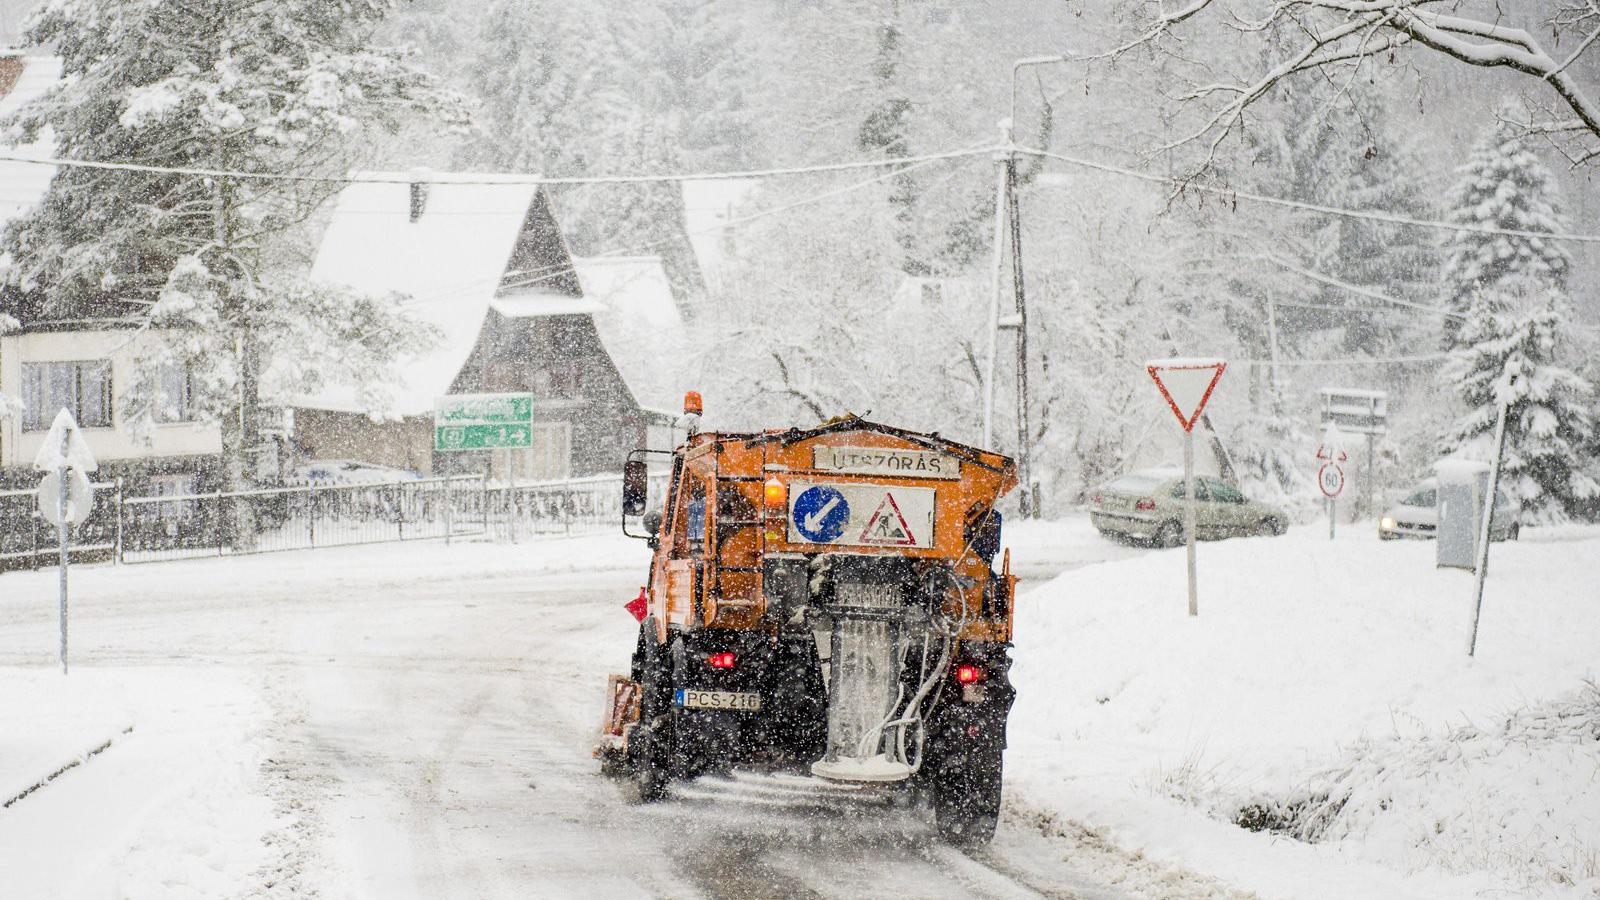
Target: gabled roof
x,y
481,241
640,326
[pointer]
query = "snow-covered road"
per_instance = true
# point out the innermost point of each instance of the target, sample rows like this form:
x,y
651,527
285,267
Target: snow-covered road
x,y
418,719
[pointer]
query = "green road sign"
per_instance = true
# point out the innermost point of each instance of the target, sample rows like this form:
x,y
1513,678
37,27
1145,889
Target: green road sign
x,y
483,422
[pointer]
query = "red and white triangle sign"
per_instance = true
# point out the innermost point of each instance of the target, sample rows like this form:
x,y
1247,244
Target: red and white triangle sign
x,y
888,526
1186,385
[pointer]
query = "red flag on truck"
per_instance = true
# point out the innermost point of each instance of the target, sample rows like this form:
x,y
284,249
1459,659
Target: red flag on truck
x,y
638,606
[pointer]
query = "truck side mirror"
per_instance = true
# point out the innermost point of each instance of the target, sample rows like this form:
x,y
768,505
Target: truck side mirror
x,y
635,487
652,523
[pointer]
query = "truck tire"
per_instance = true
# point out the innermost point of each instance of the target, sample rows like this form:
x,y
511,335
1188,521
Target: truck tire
x,y
966,804
652,756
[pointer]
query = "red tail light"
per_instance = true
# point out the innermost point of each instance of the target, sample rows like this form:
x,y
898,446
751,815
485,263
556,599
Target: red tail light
x,y
969,674
1145,503
1096,499
723,660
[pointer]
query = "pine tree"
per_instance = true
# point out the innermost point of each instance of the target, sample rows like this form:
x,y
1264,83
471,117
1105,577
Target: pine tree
x,y
264,86
1503,185
886,131
1511,349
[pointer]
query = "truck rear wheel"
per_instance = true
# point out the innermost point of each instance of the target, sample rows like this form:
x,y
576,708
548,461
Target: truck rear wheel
x,y
966,805
652,747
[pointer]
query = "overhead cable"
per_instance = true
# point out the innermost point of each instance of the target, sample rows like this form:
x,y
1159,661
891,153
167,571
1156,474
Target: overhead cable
x,y
431,178
1372,215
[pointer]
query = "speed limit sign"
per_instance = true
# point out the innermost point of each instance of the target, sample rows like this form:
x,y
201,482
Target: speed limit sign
x,y
1330,478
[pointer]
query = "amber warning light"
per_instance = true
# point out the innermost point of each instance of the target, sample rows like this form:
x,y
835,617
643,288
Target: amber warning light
x,y
775,492
692,403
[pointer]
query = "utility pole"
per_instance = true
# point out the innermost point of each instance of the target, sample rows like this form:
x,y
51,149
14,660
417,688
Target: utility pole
x,y
1020,322
994,295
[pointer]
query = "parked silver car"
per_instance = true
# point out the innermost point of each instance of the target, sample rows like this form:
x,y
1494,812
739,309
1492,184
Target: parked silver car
x,y
1149,505
1417,516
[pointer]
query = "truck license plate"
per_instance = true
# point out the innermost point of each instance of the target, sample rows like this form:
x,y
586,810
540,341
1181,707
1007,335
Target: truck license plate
x,y
693,699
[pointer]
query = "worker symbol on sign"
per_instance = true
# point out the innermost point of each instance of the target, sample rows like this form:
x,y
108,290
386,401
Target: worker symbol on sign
x,y
820,514
888,526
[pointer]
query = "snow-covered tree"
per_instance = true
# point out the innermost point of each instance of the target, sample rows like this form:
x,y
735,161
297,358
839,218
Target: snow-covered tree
x,y
1503,185
272,87
1512,350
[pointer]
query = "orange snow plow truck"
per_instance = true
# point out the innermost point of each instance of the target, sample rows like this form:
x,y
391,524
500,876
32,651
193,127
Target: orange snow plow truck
x,y
823,601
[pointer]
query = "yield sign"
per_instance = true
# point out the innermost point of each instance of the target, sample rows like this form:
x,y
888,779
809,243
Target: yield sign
x,y
1331,454
1186,384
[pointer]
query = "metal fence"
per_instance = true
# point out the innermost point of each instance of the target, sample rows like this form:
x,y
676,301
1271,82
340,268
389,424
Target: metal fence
x,y
27,540
148,529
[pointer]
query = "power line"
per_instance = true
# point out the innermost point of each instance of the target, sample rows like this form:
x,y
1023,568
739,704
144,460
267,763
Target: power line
x,y
423,177
1366,214
1349,361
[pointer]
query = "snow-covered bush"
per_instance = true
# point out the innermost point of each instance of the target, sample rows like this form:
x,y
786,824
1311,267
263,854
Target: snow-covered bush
x,y
1497,796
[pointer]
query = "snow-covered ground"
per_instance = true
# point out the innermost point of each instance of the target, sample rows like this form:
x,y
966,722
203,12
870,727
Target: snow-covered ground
x,y
413,720
1309,656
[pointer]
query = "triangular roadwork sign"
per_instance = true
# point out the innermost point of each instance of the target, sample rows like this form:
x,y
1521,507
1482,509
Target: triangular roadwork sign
x,y
888,526
1186,385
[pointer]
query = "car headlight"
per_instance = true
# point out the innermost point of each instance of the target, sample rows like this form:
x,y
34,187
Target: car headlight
x,y
1386,523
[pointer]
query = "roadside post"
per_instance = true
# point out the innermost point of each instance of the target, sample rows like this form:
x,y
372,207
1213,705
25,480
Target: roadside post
x,y
65,495
1330,474
485,423
1186,385
1363,412
1488,518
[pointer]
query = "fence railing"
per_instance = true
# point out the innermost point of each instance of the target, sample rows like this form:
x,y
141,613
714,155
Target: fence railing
x,y
147,529
26,538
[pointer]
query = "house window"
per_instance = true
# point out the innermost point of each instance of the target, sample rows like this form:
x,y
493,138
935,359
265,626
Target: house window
x,y
82,388
174,395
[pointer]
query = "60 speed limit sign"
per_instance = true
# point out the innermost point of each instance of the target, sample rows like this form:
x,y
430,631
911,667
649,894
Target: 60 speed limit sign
x,y
1330,478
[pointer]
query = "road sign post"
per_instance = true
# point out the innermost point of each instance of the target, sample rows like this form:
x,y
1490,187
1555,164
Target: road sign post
x,y
65,495
1330,475
1364,412
1488,516
1186,385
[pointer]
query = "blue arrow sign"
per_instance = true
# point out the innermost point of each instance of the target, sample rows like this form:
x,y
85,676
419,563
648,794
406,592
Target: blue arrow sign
x,y
820,514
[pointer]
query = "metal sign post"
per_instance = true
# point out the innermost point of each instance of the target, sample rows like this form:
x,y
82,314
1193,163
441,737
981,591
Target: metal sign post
x,y
1330,475
1364,412
1488,516
65,495
63,531
1188,518
1186,385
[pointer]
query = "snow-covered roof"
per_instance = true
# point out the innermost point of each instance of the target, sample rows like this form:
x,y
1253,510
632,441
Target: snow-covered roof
x,y
708,205
23,184
640,325
449,262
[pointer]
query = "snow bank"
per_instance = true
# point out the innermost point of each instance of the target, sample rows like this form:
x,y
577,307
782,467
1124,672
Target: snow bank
x,y
157,770
49,722
1134,717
